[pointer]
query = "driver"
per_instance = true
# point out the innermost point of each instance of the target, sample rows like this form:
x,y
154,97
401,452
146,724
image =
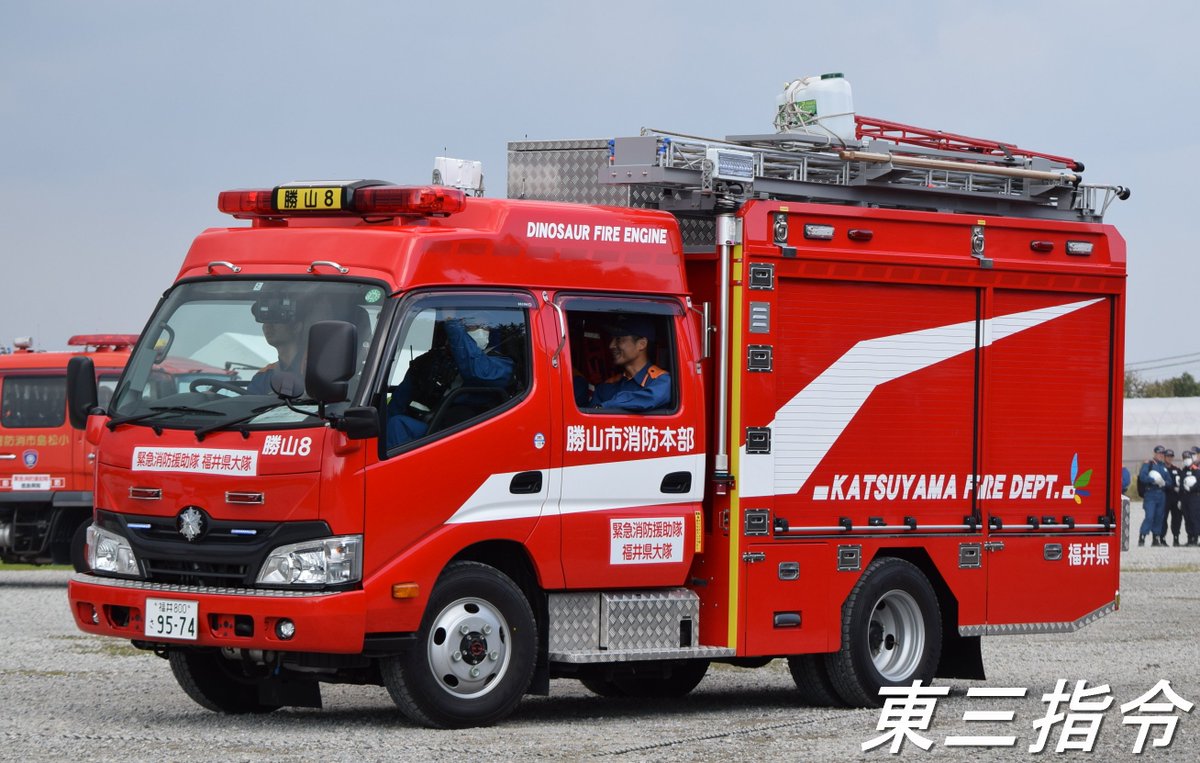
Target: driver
x,y
283,328
465,356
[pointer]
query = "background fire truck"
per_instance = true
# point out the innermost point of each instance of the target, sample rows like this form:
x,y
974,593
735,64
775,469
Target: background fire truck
x,y
892,426
46,466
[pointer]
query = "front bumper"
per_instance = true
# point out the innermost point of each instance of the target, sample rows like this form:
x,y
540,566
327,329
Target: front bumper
x,y
240,618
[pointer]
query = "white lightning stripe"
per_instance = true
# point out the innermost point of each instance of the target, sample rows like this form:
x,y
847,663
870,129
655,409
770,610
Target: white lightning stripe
x,y
808,425
608,486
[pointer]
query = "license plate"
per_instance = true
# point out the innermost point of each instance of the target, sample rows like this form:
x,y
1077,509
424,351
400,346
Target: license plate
x,y
31,482
172,618
308,198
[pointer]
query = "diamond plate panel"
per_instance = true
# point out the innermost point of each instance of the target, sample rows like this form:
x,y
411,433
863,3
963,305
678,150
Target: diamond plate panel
x,y
574,622
647,619
569,170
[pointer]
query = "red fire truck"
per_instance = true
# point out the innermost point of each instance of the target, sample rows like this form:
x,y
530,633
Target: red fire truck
x,y
45,465
883,420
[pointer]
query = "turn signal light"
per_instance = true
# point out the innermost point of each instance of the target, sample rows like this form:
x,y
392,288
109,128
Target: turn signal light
x,y
405,591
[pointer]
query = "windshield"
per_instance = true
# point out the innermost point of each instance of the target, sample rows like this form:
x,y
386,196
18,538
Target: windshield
x,y
219,350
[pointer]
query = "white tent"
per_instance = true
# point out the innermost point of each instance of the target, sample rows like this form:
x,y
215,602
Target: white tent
x,y
248,349
1173,422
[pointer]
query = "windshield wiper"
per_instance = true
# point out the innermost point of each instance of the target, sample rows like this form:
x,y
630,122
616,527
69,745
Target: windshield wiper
x,y
158,410
235,420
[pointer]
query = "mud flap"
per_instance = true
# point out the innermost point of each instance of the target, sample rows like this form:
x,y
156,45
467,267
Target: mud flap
x,y
962,656
287,692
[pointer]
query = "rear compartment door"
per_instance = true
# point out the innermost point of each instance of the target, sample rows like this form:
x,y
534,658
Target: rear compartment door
x,y
1045,445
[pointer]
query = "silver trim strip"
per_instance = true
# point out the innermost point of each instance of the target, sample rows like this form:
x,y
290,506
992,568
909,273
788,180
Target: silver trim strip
x,y
244,498
143,585
1014,629
637,655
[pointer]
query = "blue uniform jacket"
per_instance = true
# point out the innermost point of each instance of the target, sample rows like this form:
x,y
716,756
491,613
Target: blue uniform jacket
x,y
1155,466
477,368
646,390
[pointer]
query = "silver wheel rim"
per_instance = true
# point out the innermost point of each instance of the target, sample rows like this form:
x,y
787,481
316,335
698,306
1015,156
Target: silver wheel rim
x,y
469,648
896,636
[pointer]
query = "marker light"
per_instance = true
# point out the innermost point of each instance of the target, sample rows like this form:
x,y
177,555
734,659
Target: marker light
x,y
1042,246
1079,248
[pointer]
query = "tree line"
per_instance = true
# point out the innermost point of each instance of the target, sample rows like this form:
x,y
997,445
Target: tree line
x,y
1183,385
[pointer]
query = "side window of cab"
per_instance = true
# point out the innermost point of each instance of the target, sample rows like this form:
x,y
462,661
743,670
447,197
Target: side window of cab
x,y
623,356
457,360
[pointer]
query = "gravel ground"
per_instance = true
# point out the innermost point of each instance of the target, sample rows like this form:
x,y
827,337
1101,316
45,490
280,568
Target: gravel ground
x,y
75,697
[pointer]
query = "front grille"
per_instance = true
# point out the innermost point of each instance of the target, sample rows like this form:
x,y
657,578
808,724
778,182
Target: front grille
x,y
221,558
184,572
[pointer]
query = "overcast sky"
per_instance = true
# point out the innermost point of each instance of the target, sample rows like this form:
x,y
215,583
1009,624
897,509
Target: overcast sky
x,y
121,121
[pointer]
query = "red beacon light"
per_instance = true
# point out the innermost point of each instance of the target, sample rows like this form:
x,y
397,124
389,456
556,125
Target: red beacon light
x,y
103,341
362,198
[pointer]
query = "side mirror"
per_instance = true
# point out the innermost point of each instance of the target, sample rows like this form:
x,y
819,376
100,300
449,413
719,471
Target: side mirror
x,y
358,423
82,395
331,360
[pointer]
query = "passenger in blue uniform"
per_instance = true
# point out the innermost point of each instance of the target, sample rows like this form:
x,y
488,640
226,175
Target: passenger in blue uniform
x,y
1153,477
467,357
642,386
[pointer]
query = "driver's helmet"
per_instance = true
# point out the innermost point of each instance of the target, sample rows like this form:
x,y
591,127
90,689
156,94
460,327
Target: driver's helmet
x,y
279,305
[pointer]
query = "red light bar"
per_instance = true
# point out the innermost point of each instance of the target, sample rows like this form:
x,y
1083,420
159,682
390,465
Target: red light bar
x,y
103,340
356,198
409,200
246,203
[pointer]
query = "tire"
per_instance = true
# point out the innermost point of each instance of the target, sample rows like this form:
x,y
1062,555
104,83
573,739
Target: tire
x,y
79,548
891,633
216,683
812,679
605,687
475,652
678,680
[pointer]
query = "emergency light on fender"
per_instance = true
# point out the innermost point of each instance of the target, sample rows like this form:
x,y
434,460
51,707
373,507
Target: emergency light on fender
x,y
362,198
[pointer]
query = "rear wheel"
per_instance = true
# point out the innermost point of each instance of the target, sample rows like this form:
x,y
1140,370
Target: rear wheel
x,y
475,652
813,681
891,633
216,683
675,680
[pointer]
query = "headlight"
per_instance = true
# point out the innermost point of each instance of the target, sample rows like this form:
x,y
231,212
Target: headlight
x,y
109,552
327,561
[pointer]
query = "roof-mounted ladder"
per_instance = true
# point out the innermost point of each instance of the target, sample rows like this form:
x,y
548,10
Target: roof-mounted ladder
x,y
892,165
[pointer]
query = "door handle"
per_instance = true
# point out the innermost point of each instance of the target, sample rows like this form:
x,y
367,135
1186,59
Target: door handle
x,y
8,456
677,482
526,483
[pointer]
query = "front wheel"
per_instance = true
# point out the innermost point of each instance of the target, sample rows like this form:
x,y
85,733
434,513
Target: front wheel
x,y
891,633
475,652
216,683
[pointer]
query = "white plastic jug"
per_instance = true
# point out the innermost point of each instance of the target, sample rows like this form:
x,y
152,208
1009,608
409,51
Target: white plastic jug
x,y
820,106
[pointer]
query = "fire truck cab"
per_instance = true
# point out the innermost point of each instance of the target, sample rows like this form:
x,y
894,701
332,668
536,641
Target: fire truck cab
x,y
851,413
45,465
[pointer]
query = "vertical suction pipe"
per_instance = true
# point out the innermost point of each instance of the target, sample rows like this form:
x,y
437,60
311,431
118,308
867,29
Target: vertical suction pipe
x,y
726,238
